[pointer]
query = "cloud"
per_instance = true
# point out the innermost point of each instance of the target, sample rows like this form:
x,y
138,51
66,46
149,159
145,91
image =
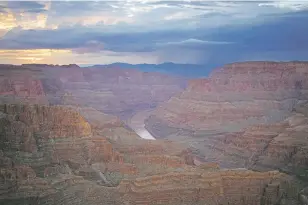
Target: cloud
x,y
284,38
24,14
117,39
23,6
293,5
207,32
64,56
90,47
193,42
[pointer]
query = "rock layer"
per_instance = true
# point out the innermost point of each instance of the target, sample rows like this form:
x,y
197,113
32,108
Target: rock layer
x,y
78,155
221,187
251,115
234,97
117,91
18,85
63,160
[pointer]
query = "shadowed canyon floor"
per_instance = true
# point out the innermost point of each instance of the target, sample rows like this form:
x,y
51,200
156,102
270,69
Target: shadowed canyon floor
x,y
63,141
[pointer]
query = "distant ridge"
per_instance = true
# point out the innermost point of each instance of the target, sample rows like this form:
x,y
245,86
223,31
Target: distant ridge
x,y
187,70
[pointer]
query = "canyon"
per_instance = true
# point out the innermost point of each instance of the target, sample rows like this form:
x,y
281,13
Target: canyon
x,y
52,155
136,122
117,91
72,135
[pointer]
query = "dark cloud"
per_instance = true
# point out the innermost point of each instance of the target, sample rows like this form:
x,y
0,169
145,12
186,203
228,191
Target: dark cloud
x,y
2,9
79,36
75,8
289,32
183,3
24,6
281,37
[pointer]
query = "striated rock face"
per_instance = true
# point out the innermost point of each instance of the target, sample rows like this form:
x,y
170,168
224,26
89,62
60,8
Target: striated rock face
x,y
232,98
43,135
117,91
41,149
159,159
251,115
52,155
18,85
23,126
49,147
122,92
221,187
288,148
75,154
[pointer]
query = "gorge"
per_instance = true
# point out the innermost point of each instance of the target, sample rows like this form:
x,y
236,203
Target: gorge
x,y
153,102
71,135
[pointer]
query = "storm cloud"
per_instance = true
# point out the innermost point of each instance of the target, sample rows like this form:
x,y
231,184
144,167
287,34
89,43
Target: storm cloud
x,y
209,33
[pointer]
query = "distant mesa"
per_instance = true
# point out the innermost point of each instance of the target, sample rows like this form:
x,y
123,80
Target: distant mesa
x,y
184,70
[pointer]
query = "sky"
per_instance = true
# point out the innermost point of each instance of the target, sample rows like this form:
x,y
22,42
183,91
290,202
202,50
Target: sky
x,y
152,31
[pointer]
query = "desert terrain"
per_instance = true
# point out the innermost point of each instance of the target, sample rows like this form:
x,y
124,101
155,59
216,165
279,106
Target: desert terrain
x,y
72,135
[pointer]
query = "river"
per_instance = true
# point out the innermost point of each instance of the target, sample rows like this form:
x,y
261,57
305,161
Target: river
x,y
137,124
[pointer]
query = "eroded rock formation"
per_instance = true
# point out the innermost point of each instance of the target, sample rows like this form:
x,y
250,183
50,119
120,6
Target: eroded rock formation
x,y
251,115
232,98
220,187
75,154
52,155
17,85
122,92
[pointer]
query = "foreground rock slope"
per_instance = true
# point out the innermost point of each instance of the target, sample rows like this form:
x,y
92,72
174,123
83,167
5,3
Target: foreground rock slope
x,y
54,155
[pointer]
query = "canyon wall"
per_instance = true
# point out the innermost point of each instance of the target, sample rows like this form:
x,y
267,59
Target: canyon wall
x,y
53,155
251,115
122,92
220,187
20,86
78,153
281,146
232,98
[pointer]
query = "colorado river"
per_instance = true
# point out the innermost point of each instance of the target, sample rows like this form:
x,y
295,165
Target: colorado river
x,y
143,133
137,124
